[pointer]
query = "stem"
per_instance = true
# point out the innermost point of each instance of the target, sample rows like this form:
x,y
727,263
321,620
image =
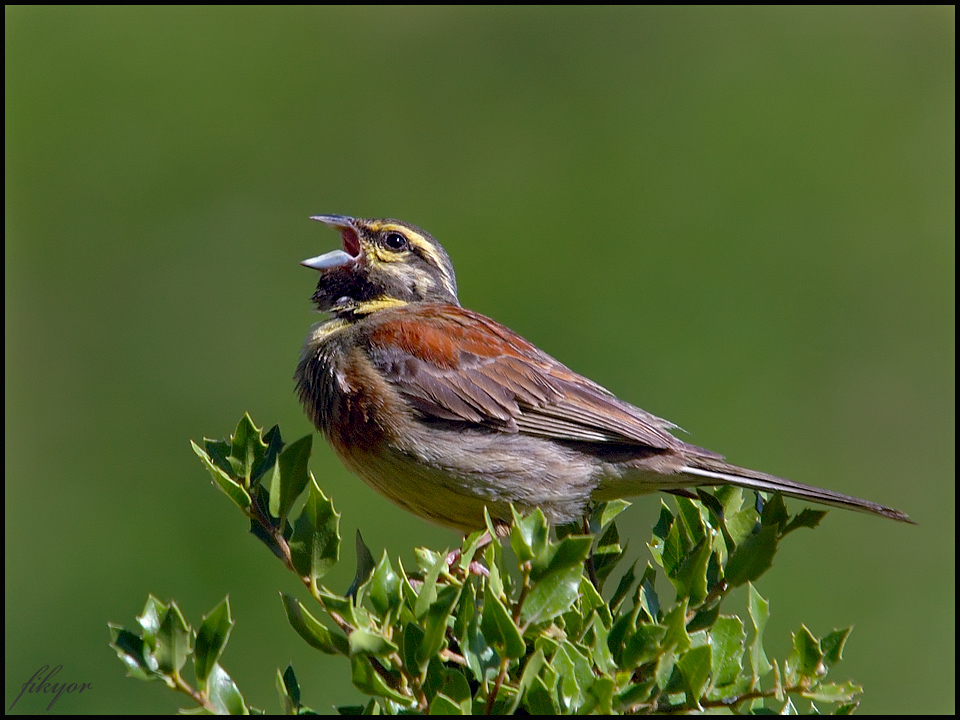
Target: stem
x,y
518,607
729,702
448,655
257,515
524,591
496,685
198,697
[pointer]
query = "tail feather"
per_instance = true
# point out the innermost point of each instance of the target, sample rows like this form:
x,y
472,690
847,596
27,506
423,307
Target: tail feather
x,y
722,473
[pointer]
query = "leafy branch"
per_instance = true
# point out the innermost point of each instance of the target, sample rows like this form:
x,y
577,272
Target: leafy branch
x,y
510,621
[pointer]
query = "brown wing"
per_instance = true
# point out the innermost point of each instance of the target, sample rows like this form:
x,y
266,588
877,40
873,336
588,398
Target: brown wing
x,y
457,365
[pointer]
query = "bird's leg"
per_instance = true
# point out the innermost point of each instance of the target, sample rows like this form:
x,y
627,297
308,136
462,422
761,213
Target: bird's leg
x,y
475,567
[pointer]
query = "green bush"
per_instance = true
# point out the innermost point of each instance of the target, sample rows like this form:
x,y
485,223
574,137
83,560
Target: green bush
x,y
510,623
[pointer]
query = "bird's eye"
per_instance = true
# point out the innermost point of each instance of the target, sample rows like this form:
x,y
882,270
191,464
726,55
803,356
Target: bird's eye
x,y
395,241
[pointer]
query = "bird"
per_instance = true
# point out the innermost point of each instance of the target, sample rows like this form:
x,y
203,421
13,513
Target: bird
x,y
448,413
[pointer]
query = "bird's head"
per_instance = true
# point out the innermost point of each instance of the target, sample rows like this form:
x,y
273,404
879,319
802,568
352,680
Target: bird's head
x,y
384,263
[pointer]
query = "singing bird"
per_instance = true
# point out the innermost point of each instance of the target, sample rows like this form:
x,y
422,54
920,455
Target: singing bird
x,y
447,412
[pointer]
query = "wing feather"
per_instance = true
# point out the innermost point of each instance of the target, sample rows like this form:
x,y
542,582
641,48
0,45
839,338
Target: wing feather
x,y
456,365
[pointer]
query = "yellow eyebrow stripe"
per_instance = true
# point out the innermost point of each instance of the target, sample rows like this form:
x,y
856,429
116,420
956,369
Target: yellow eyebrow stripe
x,y
426,248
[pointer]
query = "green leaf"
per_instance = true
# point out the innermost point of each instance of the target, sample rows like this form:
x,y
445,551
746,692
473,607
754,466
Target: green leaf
x,y
713,506
530,671
717,512
212,638
365,566
223,692
538,699
604,513
832,646
752,558
315,544
673,550
133,652
556,579
774,511
383,587
266,529
664,523
442,705
572,620
465,609
528,535
491,525
246,450
289,691
647,597
357,709
607,554
690,520
149,619
695,666
428,591
173,641
499,629
690,578
666,676
451,686
592,603
595,639
455,686
807,518
548,644
482,660
704,618
312,630
643,645
427,558
551,596
471,544
343,606
435,623
268,462
292,477
805,661
219,453
634,694
411,642
788,708
599,697
576,676
833,692
727,637
368,642
493,559
675,623
741,525
230,487
568,553
367,680
759,611
623,587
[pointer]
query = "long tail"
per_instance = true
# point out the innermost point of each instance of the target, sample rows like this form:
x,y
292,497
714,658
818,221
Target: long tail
x,y
722,473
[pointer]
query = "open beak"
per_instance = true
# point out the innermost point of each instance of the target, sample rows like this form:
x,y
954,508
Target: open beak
x,y
351,252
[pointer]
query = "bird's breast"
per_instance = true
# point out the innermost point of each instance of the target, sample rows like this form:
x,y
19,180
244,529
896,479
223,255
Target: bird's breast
x,y
344,395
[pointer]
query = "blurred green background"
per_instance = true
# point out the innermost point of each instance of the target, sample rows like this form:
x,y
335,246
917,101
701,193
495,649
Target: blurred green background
x,y
739,219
